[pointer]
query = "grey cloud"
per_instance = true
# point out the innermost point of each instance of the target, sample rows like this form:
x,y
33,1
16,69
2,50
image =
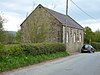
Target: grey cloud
x,y
89,6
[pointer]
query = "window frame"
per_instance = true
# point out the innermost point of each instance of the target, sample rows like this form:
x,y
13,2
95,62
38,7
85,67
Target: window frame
x,y
74,37
67,37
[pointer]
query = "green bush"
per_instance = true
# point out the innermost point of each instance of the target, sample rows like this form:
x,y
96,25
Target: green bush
x,y
1,50
1,46
44,48
19,55
33,49
13,50
96,45
29,48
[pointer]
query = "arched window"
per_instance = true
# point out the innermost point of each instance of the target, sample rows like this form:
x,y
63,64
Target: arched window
x,y
67,37
74,38
80,37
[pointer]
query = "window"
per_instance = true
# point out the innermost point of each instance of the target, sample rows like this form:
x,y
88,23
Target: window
x,y
64,34
74,38
67,37
39,6
80,37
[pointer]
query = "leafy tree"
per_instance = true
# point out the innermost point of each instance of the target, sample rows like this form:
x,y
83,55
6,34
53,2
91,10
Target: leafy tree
x,y
37,31
9,38
97,36
88,35
1,29
18,36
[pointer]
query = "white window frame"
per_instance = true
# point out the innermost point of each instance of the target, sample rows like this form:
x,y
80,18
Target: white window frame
x,y
74,37
80,37
63,34
67,37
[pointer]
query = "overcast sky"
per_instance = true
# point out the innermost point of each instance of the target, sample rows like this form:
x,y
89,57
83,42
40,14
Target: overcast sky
x,y
15,11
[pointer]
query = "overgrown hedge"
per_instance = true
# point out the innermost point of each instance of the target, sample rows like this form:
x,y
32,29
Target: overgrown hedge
x,y
33,49
43,48
19,55
96,46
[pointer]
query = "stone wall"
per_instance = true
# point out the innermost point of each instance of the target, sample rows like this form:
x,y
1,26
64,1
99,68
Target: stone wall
x,y
40,18
75,39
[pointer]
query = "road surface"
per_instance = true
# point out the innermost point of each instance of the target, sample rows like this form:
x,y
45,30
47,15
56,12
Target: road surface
x,y
81,64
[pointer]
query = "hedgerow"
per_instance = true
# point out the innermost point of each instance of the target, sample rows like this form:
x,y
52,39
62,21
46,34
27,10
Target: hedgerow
x,y
43,48
96,45
19,55
33,49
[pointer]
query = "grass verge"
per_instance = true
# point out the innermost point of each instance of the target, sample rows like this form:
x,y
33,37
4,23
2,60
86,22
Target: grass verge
x,y
13,62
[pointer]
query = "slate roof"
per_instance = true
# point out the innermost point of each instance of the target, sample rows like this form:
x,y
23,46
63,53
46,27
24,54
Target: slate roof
x,y
65,20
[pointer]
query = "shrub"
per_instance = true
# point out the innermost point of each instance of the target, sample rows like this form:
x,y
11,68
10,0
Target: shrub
x,y
1,45
1,50
33,49
29,48
96,46
19,55
43,48
14,50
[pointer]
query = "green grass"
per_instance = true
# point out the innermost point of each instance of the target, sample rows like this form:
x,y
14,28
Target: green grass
x,y
13,62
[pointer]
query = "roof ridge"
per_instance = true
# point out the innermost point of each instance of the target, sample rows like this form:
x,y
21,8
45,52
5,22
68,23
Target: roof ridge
x,y
63,16
55,11
60,17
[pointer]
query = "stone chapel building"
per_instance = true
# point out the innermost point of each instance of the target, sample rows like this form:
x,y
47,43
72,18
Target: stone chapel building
x,y
57,27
